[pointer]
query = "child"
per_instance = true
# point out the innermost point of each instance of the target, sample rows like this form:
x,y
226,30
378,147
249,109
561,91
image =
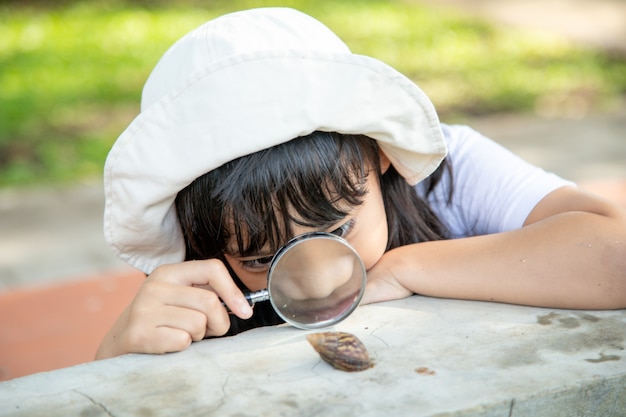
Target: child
x,y
261,125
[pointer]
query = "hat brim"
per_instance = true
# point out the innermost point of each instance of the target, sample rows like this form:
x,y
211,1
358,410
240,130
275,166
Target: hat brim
x,y
244,104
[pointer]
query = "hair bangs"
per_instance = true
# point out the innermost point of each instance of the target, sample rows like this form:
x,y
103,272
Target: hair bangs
x,y
250,205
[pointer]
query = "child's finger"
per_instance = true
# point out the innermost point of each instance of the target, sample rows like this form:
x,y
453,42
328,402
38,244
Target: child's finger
x,y
195,323
192,273
192,321
196,310
167,339
212,273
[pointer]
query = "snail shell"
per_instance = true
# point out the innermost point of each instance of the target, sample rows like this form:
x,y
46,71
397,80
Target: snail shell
x,y
343,351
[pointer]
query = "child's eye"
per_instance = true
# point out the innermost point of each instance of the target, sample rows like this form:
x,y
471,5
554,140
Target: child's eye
x,y
345,229
258,264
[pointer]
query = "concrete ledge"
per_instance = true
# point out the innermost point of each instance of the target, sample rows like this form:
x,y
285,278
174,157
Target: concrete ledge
x,y
433,358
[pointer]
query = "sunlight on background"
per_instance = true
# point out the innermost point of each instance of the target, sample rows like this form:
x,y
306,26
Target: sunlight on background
x,y
71,75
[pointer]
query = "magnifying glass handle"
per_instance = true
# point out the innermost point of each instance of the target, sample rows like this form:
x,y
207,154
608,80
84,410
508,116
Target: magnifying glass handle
x,y
257,296
253,298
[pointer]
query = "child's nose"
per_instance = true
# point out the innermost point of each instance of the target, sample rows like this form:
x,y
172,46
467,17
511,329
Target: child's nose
x,y
318,277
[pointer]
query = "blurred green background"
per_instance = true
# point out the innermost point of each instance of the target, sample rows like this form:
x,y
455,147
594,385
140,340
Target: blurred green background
x,y
71,72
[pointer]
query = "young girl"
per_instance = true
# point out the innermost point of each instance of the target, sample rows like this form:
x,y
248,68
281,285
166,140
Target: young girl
x,y
261,125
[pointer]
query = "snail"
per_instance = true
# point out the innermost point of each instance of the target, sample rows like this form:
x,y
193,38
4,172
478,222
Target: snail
x,y
343,351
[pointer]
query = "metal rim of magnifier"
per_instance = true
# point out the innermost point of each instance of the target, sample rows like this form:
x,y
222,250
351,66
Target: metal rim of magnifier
x,y
303,238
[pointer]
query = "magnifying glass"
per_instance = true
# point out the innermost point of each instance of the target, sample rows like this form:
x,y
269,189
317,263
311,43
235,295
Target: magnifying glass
x,y
315,280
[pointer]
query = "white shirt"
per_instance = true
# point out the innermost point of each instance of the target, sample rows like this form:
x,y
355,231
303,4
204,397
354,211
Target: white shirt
x,y
493,189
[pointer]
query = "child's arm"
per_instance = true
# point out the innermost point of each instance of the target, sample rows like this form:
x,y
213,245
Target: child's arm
x,y
170,311
571,253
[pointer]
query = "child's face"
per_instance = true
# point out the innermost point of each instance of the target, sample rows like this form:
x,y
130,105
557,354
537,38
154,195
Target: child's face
x,y
365,228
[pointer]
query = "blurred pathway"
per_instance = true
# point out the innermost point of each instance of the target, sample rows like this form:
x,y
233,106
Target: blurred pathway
x,y
595,23
51,234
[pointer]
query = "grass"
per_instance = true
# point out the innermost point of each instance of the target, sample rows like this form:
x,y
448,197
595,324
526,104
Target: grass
x,y
71,74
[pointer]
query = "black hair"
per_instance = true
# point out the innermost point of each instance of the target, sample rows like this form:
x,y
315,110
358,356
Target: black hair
x,y
310,181
258,197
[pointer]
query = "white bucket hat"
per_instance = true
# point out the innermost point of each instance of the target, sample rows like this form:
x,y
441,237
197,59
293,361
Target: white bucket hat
x,y
238,84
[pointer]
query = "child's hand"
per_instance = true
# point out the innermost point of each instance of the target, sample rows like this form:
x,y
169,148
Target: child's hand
x,y
384,279
170,311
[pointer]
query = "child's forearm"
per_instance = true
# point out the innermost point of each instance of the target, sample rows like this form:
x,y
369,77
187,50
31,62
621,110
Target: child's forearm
x,y
569,260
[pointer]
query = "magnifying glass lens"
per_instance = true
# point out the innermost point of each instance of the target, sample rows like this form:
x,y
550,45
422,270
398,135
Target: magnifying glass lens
x,y
316,280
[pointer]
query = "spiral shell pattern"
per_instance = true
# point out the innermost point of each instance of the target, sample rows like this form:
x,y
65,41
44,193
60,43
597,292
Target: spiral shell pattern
x,y
343,351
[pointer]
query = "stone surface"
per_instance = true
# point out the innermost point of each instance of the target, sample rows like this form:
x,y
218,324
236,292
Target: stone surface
x,y
433,358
